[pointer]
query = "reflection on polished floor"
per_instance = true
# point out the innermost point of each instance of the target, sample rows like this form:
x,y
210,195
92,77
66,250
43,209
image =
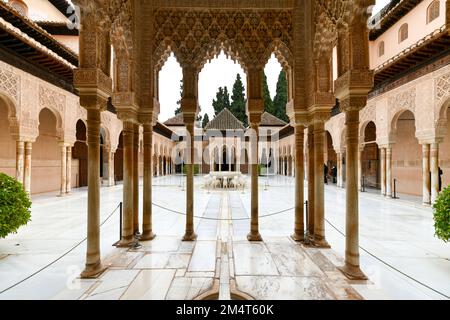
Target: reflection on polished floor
x,y
402,258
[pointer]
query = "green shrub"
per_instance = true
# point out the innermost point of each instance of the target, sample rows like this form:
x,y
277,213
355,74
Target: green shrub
x,y
196,169
14,206
442,215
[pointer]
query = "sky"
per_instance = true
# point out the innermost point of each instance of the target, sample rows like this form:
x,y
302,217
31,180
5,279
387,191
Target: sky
x,y
219,72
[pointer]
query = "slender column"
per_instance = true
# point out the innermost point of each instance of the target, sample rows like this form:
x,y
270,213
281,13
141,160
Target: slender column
x,y
20,153
254,234
111,180
339,170
93,262
63,186
434,163
190,233
360,175
311,203
383,170
136,180
319,199
426,174
27,167
389,172
147,228
351,267
69,170
128,202
299,231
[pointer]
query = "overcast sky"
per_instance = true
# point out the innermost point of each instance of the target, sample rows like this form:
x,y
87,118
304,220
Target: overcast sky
x,y
219,73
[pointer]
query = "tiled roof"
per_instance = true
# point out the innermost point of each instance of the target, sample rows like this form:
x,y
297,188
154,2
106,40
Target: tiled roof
x,y
269,120
225,120
178,120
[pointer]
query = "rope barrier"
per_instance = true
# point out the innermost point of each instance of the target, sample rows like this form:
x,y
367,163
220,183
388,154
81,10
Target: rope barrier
x,y
215,219
391,266
62,256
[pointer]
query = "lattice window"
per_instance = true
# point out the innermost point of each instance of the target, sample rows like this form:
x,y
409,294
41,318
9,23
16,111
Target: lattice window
x,y
20,6
381,49
403,33
433,11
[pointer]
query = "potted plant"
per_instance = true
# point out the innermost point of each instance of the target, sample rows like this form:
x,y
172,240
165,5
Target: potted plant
x,y
442,215
14,206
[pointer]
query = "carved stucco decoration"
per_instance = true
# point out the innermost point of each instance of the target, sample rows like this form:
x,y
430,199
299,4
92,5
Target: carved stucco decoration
x,y
402,101
442,89
55,102
197,35
10,84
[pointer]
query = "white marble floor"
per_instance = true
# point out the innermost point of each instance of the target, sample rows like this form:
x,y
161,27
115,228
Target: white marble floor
x,y
394,233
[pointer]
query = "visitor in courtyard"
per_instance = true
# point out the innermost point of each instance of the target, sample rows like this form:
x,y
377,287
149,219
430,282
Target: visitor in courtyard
x,y
325,173
334,173
440,173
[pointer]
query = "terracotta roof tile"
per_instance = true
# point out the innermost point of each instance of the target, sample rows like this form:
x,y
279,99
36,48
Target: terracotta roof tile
x,y
225,120
269,120
175,121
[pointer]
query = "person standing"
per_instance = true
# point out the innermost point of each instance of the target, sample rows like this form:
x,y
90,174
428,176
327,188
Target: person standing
x,y
440,173
325,173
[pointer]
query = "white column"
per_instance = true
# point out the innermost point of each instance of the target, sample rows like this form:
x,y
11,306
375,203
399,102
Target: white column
x,y
426,183
69,170
434,163
20,153
63,186
27,167
389,171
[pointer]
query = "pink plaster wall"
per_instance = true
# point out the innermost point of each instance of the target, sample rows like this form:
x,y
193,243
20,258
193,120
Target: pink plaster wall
x,y
407,159
418,29
46,156
444,154
7,144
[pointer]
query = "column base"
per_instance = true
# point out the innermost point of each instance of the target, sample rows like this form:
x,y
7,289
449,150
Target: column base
x,y
298,237
125,242
190,236
148,236
320,243
93,271
353,273
254,237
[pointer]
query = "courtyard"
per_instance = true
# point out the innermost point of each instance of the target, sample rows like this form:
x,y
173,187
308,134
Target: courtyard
x,y
399,252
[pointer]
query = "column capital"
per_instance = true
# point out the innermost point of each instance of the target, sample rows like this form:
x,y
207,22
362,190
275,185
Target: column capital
x,y
255,109
319,116
190,109
148,117
94,87
125,100
353,87
297,117
127,115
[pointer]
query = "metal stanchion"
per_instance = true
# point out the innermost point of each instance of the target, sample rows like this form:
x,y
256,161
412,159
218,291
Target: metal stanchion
x,y
307,242
395,189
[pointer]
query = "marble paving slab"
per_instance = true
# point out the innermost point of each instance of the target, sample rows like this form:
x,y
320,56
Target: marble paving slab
x,y
149,285
284,288
189,288
204,257
253,259
153,261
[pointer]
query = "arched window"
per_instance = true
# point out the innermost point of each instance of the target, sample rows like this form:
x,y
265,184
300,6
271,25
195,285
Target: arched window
x,y
381,49
403,33
20,6
433,11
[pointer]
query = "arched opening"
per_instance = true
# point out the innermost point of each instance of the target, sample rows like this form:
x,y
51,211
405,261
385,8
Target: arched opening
x,y
169,81
80,155
7,143
118,160
46,163
225,164
406,156
370,158
444,154
330,160
179,167
244,161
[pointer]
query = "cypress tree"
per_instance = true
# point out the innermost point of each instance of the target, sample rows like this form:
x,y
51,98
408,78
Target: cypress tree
x,y
268,103
281,97
238,103
205,120
222,100
178,109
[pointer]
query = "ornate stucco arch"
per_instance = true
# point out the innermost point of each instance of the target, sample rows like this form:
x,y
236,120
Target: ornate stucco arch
x,y
11,108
